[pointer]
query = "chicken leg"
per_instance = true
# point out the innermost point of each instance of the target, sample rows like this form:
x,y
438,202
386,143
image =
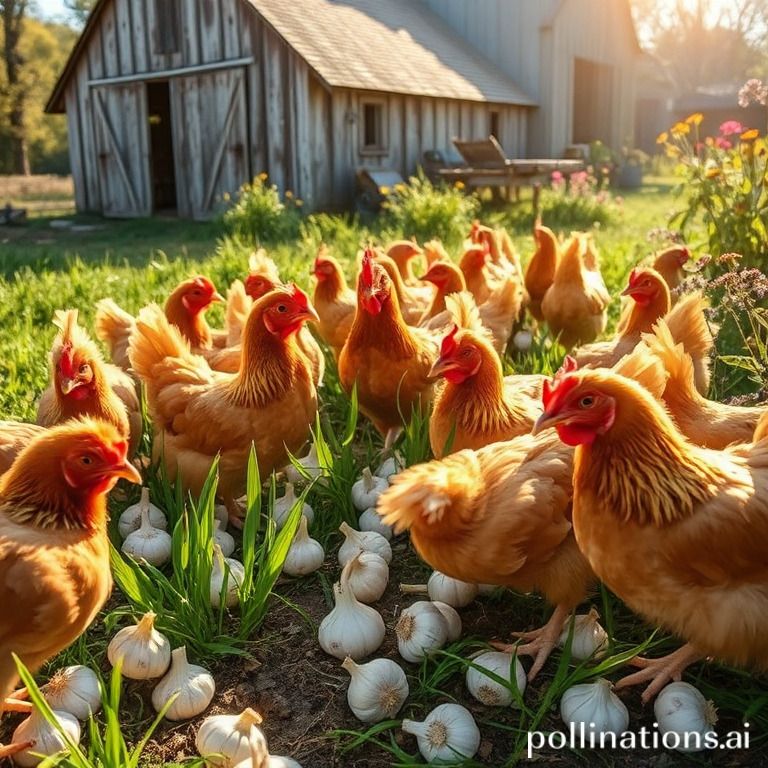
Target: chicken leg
x,y
660,671
542,641
14,705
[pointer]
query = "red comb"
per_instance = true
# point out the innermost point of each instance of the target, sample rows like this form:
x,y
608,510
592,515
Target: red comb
x,y
562,383
449,345
475,232
67,361
203,282
634,276
685,254
367,272
298,295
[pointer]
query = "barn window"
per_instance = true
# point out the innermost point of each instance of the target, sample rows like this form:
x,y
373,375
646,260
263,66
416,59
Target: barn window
x,y
494,123
373,127
168,31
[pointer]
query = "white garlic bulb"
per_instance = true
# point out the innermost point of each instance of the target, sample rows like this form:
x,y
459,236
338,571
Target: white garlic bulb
x,y
234,737
227,574
390,467
221,515
305,555
148,543
589,638
452,618
421,629
130,519
366,490
146,653
596,706
362,541
682,709
377,690
489,691
370,520
225,540
448,733
285,503
368,576
523,340
46,738
351,628
310,464
277,761
194,684
451,591
74,690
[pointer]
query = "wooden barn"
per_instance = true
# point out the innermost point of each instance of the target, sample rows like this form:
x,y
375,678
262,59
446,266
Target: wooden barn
x,y
172,103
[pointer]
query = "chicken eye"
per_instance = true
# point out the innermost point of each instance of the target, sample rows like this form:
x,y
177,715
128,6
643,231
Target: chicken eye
x,y
466,352
646,283
87,460
282,308
84,368
587,401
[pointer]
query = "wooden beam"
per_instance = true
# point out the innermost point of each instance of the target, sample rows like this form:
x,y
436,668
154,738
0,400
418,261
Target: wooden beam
x,y
141,77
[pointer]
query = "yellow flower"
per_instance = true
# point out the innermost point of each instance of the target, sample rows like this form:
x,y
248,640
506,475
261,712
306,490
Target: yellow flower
x,y
288,194
459,185
749,135
298,203
680,129
263,176
384,191
711,173
662,138
399,187
694,119
672,151
226,197
709,141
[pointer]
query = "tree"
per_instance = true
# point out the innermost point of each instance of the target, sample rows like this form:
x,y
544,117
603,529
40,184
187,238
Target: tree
x,y
13,19
80,8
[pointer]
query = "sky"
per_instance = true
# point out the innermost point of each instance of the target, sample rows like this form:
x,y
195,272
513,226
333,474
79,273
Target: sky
x,y
52,9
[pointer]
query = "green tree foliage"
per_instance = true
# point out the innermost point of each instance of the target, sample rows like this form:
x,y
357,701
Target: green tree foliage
x,y
80,8
44,48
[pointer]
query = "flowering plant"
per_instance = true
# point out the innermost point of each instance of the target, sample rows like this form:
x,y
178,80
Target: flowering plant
x,y
726,181
579,200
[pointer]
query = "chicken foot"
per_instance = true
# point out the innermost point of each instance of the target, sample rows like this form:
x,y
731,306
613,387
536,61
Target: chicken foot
x,y
14,705
391,437
660,671
8,750
542,641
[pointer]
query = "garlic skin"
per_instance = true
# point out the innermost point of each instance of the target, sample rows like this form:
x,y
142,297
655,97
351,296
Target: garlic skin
x,y
351,628
377,690
455,593
390,467
47,740
682,709
194,684
74,690
148,543
452,618
523,340
589,638
448,732
276,761
594,703
311,465
487,589
368,576
130,519
219,575
487,690
366,490
225,541
284,504
305,555
234,737
362,541
221,516
421,629
370,520
146,653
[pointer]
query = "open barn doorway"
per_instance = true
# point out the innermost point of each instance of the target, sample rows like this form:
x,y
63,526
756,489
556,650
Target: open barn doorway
x,y
592,101
161,147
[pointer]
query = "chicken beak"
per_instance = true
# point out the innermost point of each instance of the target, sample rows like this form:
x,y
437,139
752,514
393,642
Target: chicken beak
x,y
67,385
628,291
217,297
128,472
548,420
440,366
310,314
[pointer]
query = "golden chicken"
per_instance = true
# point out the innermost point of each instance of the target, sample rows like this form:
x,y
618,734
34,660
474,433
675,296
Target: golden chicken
x,y
434,250
54,549
413,303
199,413
477,275
388,360
540,272
403,253
477,405
669,264
501,515
82,384
574,306
334,301
15,436
676,531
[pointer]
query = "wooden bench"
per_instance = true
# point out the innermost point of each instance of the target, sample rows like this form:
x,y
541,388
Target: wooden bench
x,y
488,166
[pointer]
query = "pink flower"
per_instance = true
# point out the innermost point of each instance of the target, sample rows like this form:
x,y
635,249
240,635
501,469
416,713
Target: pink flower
x,y
722,143
731,128
557,176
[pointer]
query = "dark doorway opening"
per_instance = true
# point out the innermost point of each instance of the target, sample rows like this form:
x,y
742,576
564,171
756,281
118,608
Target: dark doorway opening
x,y
592,101
161,146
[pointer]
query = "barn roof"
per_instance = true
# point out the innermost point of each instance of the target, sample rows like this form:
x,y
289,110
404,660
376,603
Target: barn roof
x,y
396,46
392,46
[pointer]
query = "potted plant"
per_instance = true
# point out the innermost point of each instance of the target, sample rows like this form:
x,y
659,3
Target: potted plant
x,y
630,173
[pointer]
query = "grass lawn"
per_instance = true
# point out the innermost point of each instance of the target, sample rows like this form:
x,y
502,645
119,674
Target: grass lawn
x,y
299,690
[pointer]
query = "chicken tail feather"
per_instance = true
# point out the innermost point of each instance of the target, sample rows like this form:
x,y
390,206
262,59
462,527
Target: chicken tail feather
x,y
688,326
645,368
239,305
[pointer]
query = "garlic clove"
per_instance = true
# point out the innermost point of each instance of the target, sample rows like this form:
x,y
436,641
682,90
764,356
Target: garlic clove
x,y
46,738
74,690
390,467
370,520
231,738
145,652
421,630
276,761
452,618
221,515
305,555
448,733
351,628
225,541
596,707
452,591
362,541
589,638
227,575
148,543
366,490
682,709
284,504
193,684
523,340
130,519
377,690
368,576
489,691
311,465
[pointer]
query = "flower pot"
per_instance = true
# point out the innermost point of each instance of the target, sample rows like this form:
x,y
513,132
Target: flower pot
x,y
630,176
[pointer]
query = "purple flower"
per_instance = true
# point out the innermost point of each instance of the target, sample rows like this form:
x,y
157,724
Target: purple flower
x,y
753,91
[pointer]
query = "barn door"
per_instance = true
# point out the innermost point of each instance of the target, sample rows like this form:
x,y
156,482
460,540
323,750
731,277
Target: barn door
x,y
211,139
122,147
